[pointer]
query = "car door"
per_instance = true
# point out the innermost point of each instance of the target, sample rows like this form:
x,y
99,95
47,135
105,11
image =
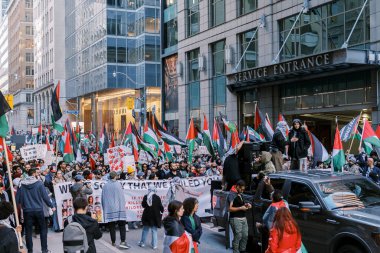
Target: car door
x,y
259,208
313,226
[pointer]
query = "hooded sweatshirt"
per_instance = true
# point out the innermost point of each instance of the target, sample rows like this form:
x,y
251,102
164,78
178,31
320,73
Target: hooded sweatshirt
x,y
32,194
92,230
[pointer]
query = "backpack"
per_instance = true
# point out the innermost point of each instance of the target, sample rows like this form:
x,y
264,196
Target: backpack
x,y
74,238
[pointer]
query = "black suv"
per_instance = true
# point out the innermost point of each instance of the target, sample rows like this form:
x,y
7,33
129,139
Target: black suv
x,y
336,213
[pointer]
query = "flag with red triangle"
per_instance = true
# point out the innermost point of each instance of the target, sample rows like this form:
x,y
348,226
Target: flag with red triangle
x,y
262,125
378,131
68,155
207,137
190,138
112,144
218,139
130,138
10,156
338,158
369,135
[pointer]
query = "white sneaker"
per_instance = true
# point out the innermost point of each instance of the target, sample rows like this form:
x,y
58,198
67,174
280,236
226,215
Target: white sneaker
x,y
127,228
124,245
142,245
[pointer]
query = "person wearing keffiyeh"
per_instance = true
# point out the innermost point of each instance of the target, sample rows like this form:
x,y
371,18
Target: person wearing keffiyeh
x,y
278,145
152,216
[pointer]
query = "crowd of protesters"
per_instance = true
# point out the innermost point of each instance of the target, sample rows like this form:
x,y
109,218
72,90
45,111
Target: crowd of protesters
x,y
34,187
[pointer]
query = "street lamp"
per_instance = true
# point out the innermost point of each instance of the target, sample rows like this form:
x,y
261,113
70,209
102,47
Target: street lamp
x,y
142,100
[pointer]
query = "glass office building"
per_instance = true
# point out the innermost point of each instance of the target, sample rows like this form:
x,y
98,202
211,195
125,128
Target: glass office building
x,y
112,57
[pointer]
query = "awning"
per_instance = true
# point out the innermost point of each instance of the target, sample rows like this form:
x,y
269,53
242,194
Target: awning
x,y
300,68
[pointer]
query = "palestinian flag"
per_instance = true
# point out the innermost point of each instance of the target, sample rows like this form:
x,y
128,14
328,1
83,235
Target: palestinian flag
x,y
149,136
378,131
338,158
70,131
207,137
68,154
218,140
131,139
4,108
229,126
60,129
262,125
112,144
150,149
167,149
103,141
92,161
253,135
166,136
56,109
369,135
190,138
2,143
174,242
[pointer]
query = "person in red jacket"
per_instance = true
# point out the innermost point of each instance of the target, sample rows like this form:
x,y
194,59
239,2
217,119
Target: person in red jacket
x,y
285,235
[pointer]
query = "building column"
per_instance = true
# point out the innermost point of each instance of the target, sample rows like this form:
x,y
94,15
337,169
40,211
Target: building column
x,y
35,109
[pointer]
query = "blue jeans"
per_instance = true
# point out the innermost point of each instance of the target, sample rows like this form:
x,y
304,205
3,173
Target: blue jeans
x,y
29,219
55,217
145,233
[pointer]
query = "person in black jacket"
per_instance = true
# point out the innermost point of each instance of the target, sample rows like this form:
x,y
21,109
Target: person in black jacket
x,y
278,145
8,235
299,144
88,223
152,216
190,220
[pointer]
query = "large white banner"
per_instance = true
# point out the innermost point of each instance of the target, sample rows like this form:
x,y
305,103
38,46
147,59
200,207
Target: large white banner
x,y
134,191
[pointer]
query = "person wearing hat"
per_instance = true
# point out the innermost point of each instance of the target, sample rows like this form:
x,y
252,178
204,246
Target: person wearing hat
x,y
352,166
299,143
79,189
278,144
113,202
131,173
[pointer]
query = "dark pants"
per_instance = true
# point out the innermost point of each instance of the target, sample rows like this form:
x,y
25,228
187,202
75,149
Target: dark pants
x,y
112,225
38,218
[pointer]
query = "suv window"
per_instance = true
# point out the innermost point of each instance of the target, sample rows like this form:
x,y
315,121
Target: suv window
x,y
277,183
300,192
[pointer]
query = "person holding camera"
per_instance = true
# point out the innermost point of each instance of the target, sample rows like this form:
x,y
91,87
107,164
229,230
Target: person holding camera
x,y
79,188
237,209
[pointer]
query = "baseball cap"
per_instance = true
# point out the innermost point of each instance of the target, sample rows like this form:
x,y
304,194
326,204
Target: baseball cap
x,y
78,178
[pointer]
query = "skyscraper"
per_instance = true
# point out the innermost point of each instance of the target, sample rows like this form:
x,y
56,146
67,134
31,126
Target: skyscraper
x,y
21,65
113,60
49,58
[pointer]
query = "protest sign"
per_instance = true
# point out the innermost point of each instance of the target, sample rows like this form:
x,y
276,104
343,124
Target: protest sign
x,y
134,191
64,202
115,157
202,150
33,152
49,158
129,161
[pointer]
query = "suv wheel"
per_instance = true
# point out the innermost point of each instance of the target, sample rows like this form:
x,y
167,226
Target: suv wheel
x,y
350,249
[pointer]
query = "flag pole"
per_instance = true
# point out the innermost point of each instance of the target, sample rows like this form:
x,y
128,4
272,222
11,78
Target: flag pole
x,y
12,192
361,138
356,127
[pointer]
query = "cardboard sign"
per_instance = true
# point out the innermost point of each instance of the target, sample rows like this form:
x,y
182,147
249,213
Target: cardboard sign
x,y
115,157
33,152
129,161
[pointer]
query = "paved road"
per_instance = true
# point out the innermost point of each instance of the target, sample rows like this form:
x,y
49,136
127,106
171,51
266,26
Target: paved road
x,y
211,242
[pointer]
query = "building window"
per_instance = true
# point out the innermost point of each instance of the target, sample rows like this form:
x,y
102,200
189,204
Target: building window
x,y
217,12
171,32
325,28
193,78
29,98
29,30
29,57
152,20
247,6
28,4
29,71
192,63
193,17
218,70
250,57
28,17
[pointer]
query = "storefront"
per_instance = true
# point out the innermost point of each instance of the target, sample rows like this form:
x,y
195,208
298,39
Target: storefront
x,y
318,89
113,109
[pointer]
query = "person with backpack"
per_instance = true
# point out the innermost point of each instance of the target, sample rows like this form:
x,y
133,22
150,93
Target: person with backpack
x,y
31,196
113,201
80,230
79,189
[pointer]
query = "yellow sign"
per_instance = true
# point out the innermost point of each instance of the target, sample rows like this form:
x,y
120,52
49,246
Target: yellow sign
x,y
130,103
9,99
